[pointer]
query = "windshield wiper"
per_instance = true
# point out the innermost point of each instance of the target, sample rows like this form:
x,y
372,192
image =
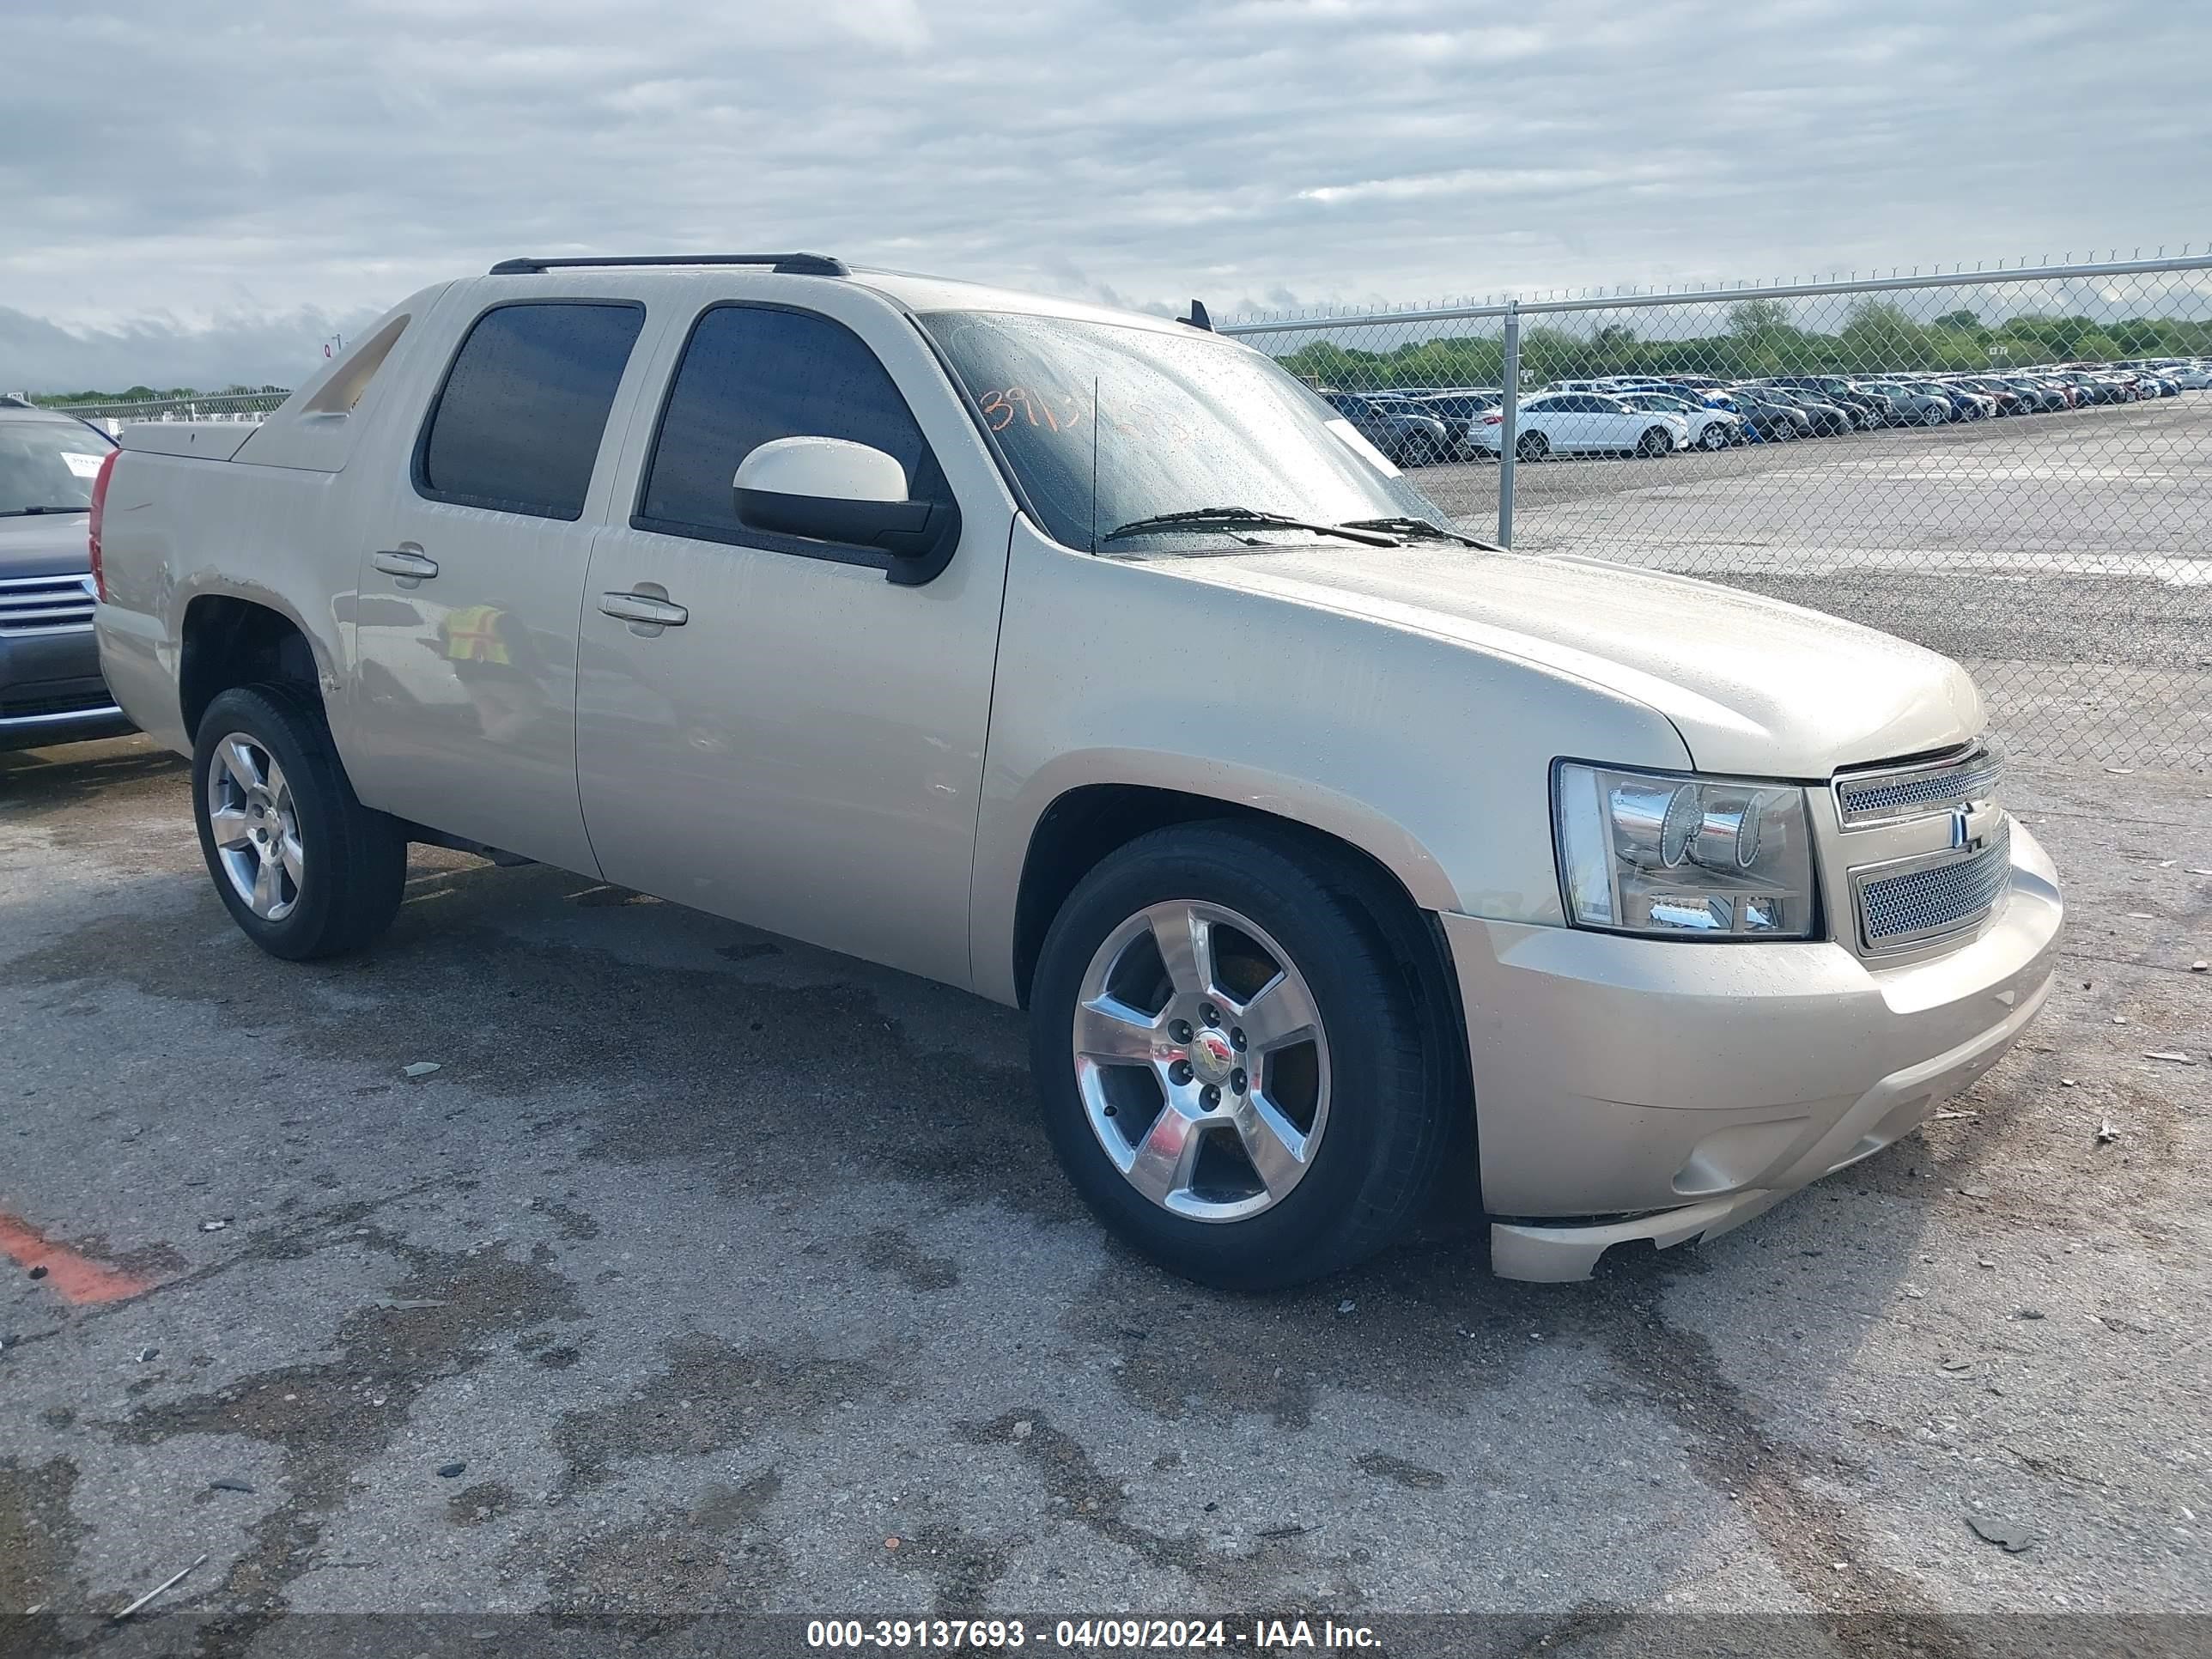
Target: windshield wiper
x,y
1232,517
1420,527
34,512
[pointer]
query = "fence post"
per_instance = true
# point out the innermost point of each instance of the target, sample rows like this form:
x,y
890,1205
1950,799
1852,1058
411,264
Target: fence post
x,y
1509,428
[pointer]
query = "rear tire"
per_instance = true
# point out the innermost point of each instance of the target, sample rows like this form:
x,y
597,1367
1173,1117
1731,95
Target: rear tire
x,y
1419,451
1531,447
305,869
1330,1147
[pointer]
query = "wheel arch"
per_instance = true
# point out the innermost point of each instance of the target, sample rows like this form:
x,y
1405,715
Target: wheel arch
x,y
227,639
1085,822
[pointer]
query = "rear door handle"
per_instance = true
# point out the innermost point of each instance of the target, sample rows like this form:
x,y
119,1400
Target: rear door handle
x,y
404,561
643,608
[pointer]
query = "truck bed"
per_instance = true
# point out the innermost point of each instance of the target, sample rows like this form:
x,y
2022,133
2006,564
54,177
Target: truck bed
x,y
210,440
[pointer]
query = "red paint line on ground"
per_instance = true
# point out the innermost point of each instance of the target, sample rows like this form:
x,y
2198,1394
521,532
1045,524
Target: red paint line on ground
x,y
76,1279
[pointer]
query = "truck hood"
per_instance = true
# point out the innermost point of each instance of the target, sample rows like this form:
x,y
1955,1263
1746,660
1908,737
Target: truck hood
x,y
1756,687
50,544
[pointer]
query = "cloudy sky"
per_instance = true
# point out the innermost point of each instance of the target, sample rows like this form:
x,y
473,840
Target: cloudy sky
x,y
199,193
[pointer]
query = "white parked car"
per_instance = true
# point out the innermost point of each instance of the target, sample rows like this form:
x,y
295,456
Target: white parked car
x,y
1709,428
1089,662
1584,424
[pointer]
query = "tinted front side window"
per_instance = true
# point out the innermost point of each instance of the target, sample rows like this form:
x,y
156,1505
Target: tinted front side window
x,y
749,375
517,426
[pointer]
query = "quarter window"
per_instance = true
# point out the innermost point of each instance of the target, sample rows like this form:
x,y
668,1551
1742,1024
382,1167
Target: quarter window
x,y
750,375
516,427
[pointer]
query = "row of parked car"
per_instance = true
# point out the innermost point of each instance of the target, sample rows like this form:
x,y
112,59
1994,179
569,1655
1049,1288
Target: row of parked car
x,y
1627,414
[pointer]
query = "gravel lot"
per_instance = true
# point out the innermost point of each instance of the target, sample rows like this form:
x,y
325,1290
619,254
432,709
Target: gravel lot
x,y
2066,558
718,1264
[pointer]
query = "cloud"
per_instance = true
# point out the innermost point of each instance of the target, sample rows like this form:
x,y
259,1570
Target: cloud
x,y
227,179
277,350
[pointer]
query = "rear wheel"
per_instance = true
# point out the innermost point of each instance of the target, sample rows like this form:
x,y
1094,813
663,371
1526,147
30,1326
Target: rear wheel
x,y
303,867
1532,446
1238,1072
1932,415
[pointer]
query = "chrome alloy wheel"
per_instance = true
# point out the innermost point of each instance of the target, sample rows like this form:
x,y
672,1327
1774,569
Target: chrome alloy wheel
x,y
256,826
1201,1060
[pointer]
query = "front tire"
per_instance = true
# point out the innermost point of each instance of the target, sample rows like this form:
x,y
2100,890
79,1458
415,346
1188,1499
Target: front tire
x,y
305,869
1713,437
1238,1070
1655,442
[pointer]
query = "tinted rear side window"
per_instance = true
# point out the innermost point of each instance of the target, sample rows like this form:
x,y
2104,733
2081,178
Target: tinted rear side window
x,y
516,427
751,375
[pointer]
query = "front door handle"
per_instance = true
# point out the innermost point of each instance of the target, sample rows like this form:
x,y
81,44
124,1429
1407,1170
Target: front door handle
x,y
409,561
643,608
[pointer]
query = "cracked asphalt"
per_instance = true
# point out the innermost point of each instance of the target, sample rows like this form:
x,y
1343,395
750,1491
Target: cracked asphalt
x,y
710,1272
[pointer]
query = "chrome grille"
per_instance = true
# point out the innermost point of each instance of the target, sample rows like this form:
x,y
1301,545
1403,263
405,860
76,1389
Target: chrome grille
x,y
45,604
1912,792
1936,898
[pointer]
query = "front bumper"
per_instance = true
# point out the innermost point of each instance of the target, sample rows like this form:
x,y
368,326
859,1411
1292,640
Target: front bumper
x,y
51,690
1661,1089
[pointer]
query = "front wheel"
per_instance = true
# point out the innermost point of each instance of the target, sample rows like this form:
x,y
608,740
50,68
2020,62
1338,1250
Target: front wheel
x,y
1419,451
1237,1073
303,867
1932,416
1655,442
1713,437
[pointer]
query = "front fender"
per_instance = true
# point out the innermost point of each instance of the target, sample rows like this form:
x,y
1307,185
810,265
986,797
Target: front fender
x,y
1431,757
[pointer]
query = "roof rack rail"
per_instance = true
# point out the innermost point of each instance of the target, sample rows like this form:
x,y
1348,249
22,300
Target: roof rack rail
x,y
790,264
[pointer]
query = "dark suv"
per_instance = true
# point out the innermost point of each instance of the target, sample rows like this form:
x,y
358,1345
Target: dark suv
x,y
50,686
1408,438
1864,408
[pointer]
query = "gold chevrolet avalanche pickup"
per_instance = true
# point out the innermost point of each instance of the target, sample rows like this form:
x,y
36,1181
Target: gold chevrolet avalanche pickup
x,y
1088,661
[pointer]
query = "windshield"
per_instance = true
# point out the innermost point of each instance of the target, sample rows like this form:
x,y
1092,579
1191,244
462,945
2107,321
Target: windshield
x,y
48,467
1184,421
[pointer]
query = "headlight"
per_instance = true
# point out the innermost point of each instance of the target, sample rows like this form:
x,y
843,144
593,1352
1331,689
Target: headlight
x,y
1683,857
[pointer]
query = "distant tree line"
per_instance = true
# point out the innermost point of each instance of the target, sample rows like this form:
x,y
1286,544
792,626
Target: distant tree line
x,y
1877,337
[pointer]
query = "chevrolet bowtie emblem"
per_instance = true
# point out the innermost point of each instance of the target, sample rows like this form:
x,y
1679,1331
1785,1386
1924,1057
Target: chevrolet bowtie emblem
x,y
1972,824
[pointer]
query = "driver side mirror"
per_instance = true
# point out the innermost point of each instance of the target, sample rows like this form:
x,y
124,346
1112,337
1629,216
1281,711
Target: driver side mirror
x,y
829,489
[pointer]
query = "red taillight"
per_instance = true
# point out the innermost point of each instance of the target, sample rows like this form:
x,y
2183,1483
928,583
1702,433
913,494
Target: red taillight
x,y
92,521
1493,420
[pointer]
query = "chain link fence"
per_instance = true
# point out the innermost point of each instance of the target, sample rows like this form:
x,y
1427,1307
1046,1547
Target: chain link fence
x,y
2011,467
234,406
